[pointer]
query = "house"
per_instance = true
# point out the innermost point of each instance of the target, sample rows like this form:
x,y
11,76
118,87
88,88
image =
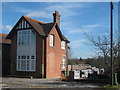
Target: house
x,y
38,49
5,53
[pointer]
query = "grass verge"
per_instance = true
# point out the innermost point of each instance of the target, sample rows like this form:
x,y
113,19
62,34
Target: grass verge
x,y
112,87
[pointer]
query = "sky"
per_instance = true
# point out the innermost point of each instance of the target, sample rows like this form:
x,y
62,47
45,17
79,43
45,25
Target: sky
x,y
76,18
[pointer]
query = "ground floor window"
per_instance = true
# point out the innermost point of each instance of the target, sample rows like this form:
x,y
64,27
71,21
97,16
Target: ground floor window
x,y
63,62
26,63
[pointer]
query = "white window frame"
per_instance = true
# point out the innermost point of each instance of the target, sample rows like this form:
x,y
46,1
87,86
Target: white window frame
x,y
63,44
64,62
51,38
26,40
30,63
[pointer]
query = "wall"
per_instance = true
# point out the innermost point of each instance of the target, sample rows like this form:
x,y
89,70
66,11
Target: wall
x,y
6,55
54,56
39,56
13,54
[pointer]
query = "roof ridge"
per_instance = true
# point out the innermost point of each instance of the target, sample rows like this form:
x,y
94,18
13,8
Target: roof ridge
x,y
35,20
47,23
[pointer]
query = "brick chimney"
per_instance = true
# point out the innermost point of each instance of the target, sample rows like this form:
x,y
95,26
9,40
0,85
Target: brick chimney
x,y
56,18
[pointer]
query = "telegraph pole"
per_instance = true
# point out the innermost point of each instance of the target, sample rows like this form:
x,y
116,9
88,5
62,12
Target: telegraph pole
x,y
111,38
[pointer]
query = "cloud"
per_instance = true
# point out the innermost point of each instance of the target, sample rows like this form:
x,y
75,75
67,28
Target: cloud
x,y
77,31
65,9
77,43
91,26
38,14
7,27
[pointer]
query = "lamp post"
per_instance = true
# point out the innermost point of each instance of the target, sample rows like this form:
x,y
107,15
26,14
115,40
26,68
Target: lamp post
x,y
111,38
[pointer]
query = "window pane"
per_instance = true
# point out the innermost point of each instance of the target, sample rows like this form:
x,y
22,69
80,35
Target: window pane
x,y
18,64
19,25
28,65
51,40
28,31
32,57
33,65
25,36
25,25
23,64
23,57
22,23
63,61
28,39
28,57
63,45
32,39
18,57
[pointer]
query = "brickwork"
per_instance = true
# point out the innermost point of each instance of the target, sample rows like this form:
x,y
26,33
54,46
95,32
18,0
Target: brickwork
x,y
54,56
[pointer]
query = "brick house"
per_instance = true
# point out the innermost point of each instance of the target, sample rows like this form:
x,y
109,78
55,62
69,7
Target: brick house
x,y
5,52
38,49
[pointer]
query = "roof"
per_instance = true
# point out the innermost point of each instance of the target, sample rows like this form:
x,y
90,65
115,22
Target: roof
x,y
47,27
3,39
41,28
36,25
79,66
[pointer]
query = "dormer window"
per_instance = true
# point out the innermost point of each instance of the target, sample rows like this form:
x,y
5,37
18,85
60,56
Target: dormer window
x,y
51,40
63,45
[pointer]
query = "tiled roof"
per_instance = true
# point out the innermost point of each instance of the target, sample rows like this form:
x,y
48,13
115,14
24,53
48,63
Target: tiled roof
x,y
3,39
41,28
47,27
36,25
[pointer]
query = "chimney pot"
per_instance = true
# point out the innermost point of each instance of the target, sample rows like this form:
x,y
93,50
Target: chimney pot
x,y
56,11
56,18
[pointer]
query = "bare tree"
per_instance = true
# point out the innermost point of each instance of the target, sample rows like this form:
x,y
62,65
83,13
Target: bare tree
x,y
102,46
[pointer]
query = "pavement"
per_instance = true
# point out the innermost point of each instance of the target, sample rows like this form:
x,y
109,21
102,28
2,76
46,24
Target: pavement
x,y
10,82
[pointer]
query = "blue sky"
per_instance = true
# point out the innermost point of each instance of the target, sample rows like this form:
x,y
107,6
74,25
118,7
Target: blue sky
x,y
76,18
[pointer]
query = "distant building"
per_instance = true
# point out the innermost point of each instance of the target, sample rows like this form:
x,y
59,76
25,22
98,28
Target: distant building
x,y
85,69
38,49
6,54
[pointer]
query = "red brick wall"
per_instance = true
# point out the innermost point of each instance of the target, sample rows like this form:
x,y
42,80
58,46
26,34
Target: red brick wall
x,y
54,56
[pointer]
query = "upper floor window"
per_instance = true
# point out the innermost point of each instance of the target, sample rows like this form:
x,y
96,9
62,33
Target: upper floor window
x,y
25,37
51,40
63,45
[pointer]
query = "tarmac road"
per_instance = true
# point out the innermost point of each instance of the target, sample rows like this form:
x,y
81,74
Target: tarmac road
x,y
10,82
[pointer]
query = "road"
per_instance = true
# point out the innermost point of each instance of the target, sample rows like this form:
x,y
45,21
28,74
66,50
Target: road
x,y
9,82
